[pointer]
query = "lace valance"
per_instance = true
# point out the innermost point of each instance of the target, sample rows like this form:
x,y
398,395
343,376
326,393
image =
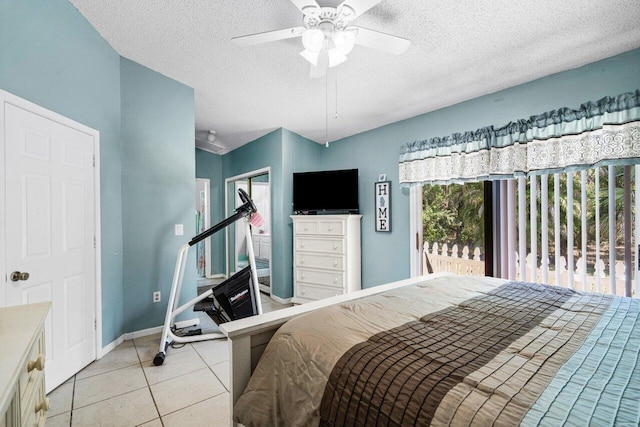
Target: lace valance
x,y
606,132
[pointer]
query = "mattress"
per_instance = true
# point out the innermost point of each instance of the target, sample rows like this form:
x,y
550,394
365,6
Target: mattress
x,y
453,351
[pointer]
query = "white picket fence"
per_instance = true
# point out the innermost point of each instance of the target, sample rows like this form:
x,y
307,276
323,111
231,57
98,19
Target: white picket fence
x,y
454,261
459,262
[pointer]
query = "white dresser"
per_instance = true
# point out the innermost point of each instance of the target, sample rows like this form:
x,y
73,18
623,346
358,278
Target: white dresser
x,y
22,358
326,256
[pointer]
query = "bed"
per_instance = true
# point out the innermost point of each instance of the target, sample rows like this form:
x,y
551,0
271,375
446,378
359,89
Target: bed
x,y
441,350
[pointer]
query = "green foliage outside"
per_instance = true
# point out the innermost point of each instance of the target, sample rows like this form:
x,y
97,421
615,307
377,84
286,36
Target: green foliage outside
x,y
453,214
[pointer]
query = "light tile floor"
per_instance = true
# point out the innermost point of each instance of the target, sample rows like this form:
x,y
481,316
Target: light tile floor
x,y
124,388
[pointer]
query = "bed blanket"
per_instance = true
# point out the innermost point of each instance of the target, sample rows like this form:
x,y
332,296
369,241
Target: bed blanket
x,y
454,351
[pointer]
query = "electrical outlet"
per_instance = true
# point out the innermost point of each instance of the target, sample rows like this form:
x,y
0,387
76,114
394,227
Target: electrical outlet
x,y
156,296
179,229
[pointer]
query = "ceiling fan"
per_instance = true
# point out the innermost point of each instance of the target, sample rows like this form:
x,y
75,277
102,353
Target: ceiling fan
x,y
327,35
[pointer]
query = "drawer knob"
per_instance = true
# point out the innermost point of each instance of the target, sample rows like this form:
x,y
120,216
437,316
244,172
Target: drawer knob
x,y
335,280
303,291
36,364
42,406
302,261
302,275
331,228
335,262
302,245
335,246
306,228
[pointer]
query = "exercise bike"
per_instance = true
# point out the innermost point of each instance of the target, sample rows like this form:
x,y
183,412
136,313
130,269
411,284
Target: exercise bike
x,y
235,298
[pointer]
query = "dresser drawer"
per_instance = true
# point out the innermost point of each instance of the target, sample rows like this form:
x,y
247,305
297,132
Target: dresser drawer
x,y
330,262
332,246
332,228
34,405
325,278
35,364
306,227
315,292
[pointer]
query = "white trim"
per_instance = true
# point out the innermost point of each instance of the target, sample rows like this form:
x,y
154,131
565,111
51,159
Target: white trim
x,y
207,224
158,329
111,346
9,98
142,333
249,174
280,300
98,248
3,271
415,229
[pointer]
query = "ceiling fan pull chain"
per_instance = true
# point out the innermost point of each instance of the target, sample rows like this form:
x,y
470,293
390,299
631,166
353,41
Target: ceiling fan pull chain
x,y
336,94
326,110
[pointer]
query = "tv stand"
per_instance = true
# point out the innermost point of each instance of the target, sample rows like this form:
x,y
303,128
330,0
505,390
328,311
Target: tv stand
x,y
326,256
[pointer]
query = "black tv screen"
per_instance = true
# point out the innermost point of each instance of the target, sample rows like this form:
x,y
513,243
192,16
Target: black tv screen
x,y
326,192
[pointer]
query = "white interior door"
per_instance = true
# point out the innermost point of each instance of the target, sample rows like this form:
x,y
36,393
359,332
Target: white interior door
x,y
50,233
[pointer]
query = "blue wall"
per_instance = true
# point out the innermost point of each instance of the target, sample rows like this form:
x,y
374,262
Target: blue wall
x,y
209,166
158,190
50,55
299,155
385,257
265,151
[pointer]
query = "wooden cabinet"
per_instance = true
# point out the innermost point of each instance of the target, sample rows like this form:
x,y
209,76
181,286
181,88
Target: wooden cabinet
x,y
326,256
22,361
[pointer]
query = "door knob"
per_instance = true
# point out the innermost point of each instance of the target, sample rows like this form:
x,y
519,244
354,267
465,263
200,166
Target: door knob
x,y
16,276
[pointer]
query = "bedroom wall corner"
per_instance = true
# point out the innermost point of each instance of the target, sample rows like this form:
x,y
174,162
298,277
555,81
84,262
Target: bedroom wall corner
x,y
158,187
377,151
263,152
51,56
299,154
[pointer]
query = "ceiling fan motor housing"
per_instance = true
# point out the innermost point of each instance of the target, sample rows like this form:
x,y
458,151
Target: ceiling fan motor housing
x,y
327,19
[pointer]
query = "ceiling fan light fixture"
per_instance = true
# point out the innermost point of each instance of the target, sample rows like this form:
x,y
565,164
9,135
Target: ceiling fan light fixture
x,y
344,40
312,57
336,57
313,39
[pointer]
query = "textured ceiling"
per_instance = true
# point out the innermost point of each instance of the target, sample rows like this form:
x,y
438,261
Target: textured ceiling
x,y
460,50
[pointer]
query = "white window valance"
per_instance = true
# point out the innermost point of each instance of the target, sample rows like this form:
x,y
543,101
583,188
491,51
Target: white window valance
x,y
606,132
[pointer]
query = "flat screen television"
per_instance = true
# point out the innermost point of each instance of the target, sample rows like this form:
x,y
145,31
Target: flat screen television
x,y
326,192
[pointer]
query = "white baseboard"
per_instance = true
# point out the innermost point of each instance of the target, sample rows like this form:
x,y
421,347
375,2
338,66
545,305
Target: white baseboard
x,y
142,333
113,344
281,300
158,329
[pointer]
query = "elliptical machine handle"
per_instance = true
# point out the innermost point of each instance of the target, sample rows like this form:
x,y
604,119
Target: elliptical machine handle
x,y
246,199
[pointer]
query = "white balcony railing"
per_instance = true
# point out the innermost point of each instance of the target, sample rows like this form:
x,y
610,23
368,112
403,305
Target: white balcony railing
x,y
463,261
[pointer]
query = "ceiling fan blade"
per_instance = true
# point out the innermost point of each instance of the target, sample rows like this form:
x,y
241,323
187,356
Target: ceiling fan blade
x,y
303,4
358,6
381,41
269,36
320,70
